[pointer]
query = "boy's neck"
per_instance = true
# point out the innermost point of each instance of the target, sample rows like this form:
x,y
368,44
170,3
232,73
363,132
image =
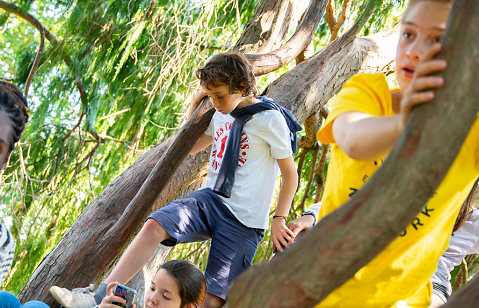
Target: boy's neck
x,y
246,101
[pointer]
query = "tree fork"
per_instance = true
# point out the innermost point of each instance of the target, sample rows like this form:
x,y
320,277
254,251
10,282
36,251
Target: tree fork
x,y
312,268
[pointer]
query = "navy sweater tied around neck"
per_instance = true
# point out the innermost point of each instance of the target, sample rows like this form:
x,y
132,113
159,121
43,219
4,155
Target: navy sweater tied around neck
x,y
226,175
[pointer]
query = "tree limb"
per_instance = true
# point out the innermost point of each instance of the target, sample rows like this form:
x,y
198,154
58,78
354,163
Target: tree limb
x,y
278,58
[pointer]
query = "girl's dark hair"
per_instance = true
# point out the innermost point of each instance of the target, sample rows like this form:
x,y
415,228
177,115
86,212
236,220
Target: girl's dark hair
x,y
232,69
14,104
190,280
466,209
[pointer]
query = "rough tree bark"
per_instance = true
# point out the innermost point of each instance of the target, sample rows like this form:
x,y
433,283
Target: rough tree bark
x,y
265,63
271,19
329,255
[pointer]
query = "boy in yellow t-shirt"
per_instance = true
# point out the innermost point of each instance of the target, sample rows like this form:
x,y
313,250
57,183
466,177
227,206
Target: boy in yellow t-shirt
x,y
365,122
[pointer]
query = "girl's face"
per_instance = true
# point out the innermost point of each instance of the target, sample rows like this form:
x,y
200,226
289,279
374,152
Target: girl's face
x,y
421,28
164,292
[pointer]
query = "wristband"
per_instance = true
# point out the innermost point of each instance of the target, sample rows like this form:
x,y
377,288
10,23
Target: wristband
x,y
310,213
279,216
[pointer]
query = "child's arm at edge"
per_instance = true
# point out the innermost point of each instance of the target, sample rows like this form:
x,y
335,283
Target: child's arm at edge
x,y
281,235
365,137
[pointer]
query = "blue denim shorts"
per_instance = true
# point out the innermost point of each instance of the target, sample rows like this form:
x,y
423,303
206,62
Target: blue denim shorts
x,y
202,215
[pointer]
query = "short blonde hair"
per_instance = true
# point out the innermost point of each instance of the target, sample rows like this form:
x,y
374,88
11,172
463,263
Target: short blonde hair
x,y
411,3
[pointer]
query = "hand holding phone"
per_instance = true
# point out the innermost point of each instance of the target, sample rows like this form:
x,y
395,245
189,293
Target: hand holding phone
x,y
127,294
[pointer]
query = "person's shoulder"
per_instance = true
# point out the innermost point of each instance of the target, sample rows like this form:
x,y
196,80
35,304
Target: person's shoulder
x,y
370,91
267,120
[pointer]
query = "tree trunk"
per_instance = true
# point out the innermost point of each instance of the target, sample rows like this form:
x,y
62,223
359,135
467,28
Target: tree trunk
x,y
333,251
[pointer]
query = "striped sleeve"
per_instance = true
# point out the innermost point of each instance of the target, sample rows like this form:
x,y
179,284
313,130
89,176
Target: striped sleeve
x,y
7,251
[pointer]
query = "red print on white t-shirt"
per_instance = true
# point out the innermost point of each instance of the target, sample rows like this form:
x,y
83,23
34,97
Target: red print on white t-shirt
x,y
219,146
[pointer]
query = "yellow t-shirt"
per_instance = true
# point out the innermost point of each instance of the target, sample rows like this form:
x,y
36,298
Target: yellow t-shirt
x,y
402,271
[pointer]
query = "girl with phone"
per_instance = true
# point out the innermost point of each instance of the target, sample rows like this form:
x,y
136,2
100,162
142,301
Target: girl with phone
x,y
177,284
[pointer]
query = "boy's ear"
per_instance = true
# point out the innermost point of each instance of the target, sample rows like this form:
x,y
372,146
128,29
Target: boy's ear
x,y
243,86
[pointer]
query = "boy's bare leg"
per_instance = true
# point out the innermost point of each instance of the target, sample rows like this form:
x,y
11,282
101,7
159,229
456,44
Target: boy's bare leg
x,y
213,301
138,252
133,259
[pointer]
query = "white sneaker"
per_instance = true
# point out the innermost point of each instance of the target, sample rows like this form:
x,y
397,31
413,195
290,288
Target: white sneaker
x,y
76,298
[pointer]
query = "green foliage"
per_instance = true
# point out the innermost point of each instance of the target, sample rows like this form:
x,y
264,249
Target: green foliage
x,y
136,62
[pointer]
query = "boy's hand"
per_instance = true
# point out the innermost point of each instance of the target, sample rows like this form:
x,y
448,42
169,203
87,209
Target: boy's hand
x,y
420,88
107,302
281,236
301,223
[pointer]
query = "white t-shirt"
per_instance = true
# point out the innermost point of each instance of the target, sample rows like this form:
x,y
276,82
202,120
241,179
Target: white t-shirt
x,y
7,251
265,138
463,242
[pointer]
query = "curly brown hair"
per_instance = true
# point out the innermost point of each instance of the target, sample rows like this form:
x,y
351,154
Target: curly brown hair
x,y
232,69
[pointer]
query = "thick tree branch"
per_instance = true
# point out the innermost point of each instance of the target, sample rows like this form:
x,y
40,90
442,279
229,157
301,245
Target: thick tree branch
x,y
269,62
270,24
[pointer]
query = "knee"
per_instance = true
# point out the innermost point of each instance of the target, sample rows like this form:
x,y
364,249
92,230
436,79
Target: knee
x,y
8,300
152,229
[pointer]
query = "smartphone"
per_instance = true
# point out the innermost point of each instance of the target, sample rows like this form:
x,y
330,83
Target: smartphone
x,y
126,293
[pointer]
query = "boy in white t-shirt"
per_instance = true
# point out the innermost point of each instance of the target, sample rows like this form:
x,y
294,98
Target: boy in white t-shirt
x,y
248,146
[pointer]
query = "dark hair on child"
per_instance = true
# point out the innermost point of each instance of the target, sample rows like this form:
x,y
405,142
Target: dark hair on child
x,y
14,104
190,280
232,69
466,208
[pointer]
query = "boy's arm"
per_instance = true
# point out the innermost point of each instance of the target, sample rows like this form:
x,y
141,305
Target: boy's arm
x,y
281,236
365,137
202,143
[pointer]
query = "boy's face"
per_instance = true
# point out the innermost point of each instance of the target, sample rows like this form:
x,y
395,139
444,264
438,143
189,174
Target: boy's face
x,y
421,28
6,133
223,100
